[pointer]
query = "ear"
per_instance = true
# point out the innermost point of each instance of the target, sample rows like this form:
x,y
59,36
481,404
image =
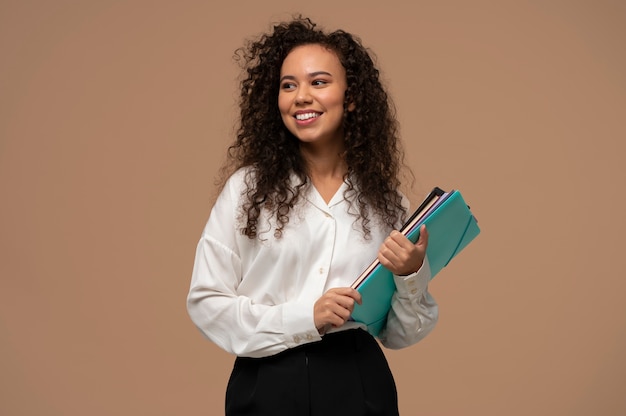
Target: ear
x,y
351,105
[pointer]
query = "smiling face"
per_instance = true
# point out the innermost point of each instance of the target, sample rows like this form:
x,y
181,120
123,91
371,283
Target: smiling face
x,y
311,95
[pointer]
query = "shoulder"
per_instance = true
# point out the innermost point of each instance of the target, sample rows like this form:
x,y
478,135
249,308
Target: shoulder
x,y
231,191
225,213
241,175
239,181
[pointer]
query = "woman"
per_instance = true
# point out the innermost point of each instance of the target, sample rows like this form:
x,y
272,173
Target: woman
x,y
309,197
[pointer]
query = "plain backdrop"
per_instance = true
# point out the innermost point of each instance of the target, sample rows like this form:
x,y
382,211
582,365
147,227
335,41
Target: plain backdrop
x,y
115,116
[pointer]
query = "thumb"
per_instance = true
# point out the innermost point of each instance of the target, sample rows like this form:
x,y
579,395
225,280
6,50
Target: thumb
x,y
423,238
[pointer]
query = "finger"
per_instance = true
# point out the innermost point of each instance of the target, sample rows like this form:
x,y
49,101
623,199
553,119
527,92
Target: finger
x,y
423,239
402,256
344,312
336,315
396,249
334,320
340,301
342,304
387,259
354,295
396,241
328,312
348,292
388,251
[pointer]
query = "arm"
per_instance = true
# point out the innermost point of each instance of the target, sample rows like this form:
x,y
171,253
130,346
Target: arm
x,y
236,322
233,298
414,312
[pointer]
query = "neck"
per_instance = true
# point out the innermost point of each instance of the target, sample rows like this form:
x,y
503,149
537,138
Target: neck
x,y
326,169
327,165
325,162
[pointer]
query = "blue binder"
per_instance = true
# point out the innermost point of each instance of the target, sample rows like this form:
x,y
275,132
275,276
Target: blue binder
x,y
451,227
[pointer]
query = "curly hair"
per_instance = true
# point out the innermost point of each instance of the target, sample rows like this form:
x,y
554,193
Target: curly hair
x,y
373,153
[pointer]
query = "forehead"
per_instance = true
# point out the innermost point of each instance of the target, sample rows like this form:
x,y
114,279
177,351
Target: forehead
x,y
312,58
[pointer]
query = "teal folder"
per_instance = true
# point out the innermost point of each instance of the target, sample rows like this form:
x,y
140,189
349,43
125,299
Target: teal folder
x,y
451,227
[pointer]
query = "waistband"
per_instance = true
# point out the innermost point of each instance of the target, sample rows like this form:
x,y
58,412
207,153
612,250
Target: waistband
x,y
347,341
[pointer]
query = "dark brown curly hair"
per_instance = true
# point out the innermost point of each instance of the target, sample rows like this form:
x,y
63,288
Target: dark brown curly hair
x,y
373,154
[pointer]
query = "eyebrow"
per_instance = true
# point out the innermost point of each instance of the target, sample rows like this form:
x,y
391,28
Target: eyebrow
x,y
311,75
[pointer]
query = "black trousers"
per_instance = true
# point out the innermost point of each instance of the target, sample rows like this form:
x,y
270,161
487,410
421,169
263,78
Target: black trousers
x,y
344,374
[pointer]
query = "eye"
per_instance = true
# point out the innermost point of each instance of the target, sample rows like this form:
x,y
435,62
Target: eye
x,y
287,86
319,82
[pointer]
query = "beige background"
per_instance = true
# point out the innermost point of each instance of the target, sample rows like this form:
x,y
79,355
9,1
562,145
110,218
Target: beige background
x,y
114,116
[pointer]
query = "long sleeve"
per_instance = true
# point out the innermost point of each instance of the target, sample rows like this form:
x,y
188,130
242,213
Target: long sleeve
x,y
236,298
235,322
255,297
413,313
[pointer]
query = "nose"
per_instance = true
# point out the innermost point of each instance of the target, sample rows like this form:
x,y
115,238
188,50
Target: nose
x,y
303,96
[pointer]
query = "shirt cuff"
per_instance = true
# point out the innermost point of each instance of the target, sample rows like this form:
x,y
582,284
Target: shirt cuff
x,y
299,324
412,286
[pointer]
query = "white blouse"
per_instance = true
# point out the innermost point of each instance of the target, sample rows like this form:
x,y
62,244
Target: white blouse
x,y
255,297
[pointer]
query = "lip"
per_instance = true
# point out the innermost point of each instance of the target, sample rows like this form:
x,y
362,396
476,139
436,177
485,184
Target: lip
x,y
308,120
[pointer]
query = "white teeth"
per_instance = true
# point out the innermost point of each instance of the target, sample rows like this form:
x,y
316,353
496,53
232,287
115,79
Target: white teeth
x,y
306,116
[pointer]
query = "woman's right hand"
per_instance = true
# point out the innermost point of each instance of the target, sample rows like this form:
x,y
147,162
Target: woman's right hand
x,y
334,308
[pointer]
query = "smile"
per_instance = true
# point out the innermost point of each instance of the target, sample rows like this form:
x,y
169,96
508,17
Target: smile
x,y
307,116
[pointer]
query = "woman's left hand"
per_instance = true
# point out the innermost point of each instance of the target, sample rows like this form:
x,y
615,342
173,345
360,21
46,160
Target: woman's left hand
x,y
400,255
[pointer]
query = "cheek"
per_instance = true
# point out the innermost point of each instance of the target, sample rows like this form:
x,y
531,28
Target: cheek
x,y
283,107
333,99
284,111
283,104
